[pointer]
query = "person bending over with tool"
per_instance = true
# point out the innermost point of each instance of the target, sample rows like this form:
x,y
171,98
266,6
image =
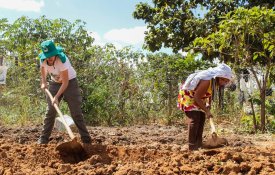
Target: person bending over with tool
x,y
195,99
63,84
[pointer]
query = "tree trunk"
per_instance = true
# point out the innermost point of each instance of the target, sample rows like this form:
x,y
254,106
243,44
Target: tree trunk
x,y
254,117
170,99
16,60
1,64
263,110
262,93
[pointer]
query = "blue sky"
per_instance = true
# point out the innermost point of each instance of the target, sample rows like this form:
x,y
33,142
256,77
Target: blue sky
x,y
107,20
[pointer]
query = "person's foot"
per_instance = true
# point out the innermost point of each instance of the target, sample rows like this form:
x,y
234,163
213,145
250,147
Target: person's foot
x,y
86,140
192,147
42,141
199,144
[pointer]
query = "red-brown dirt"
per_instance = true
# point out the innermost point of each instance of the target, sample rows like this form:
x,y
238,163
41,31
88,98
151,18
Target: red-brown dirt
x,y
134,150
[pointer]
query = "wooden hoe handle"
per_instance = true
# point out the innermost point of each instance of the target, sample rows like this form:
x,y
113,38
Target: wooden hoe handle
x,y
213,129
71,134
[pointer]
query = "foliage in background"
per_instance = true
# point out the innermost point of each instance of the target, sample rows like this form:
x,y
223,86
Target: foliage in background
x,y
245,37
232,31
119,86
175,24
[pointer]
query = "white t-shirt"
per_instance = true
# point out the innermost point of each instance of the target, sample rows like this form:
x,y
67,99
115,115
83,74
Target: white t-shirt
x,y
57,68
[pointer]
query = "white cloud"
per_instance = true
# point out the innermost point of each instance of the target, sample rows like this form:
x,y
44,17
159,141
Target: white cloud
x,y
97,37
22,5
121,37
99,41
128,36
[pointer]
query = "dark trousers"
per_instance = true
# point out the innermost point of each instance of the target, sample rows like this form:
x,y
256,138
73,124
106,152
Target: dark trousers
x,y
196,120
73,98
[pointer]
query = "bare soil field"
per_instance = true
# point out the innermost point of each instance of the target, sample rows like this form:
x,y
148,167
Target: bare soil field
x,y
136,150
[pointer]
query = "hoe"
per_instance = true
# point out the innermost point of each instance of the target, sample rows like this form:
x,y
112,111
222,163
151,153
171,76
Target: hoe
x,y
214,141
72,147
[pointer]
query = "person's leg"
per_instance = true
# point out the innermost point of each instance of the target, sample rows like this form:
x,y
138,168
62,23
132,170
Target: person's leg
x,y
50,116
193,126
200,129
73,97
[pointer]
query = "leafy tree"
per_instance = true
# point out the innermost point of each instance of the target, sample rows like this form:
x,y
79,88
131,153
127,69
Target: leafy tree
x,y
109,85
175,24
246,38
3,26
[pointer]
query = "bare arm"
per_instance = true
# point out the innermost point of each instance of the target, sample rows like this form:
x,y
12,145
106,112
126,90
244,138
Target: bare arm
x,y
43,78
199,93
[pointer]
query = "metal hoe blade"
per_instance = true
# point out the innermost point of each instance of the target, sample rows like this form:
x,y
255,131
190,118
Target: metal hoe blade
x,y
72,149
214,141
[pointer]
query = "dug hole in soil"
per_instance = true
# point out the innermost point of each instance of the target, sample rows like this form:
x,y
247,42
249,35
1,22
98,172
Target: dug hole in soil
x,y
142,149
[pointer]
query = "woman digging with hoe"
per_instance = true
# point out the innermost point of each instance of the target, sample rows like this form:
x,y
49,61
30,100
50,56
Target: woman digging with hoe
x,y
195,99
63,84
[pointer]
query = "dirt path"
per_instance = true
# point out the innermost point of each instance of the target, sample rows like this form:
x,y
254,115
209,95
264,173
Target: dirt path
x,y
134,150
